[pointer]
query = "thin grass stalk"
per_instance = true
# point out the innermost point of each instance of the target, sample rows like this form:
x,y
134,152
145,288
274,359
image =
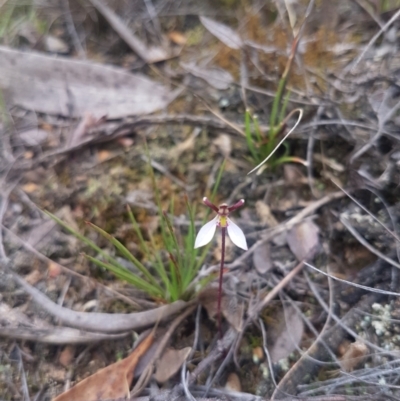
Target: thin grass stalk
x,y
190,252
157,263
127,276
257,129
157,195
160,267
279,94
125,252
174,240
249,136
284,106
82,238
217,181
177,273
143,246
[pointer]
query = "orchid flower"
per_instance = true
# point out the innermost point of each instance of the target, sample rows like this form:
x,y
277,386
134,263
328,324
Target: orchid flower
x,y
236,235
222,220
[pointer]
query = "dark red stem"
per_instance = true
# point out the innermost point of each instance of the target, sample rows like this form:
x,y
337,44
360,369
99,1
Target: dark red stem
x,y
221,272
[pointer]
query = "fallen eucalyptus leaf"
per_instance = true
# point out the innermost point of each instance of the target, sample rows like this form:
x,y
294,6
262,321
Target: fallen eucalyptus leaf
x,y
111,382
170,362
262,258
216,77
223,32
55,45
303,240
231,308
285,336
353,356
33,137
233,383
61,86
224,144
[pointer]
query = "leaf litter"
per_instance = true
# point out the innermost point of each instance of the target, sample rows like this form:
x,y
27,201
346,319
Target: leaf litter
x,y
95,187
112,382
70,88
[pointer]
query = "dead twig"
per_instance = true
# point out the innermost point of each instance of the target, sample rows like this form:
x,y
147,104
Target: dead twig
x,y
273,293
101,322
365,243
374,39
148,54
16,325
71,272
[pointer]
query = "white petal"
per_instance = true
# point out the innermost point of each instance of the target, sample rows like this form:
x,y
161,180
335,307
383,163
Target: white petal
x,y
236,235
206,233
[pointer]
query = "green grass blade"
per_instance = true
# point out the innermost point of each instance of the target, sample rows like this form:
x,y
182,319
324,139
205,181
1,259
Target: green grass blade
x,y
249,136
257,129
126,254
190,252
159,265
77,235
284,106
217,182
143,246
126,275
275,108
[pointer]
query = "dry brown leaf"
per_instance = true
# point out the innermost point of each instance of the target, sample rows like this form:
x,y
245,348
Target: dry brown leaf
x,y
177,37
303,240
53,269
170,362
265,214
111,382
258,354
53,44
67,87
224,144
330,162
33,137
28,155
182,147
216,77
125,141
293,175
87,122
223,32
33,277
103,155
30,187
208,299
40,233
262,258
233,382
66,356
353,356
231,308
233,311
285,336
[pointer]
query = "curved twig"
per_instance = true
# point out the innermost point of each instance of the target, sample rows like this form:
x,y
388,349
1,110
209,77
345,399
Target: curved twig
x,y
101,322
